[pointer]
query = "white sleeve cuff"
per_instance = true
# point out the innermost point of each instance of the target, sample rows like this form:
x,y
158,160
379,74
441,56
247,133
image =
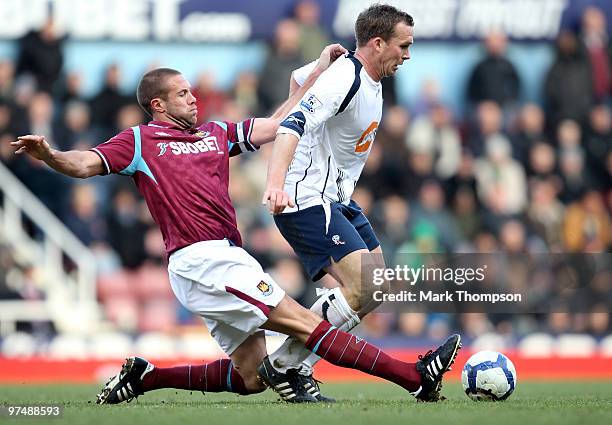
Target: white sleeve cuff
x,y
101,155
285,130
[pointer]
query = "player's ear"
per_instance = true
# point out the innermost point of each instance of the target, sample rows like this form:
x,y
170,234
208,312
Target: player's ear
x,y
157,105
378,43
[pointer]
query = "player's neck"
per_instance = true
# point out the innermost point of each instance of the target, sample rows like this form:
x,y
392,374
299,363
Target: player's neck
x,y
362,55
173,121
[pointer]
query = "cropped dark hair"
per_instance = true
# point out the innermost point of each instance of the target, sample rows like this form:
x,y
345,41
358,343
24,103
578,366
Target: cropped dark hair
x,y
379,20
152,85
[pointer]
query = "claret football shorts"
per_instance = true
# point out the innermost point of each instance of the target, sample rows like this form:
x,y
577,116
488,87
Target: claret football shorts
x,y
226,287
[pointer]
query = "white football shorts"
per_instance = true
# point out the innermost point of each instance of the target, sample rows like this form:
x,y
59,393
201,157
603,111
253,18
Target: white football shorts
x,y
226,287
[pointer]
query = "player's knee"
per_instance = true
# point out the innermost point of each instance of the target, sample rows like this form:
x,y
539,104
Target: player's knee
x,y
353,296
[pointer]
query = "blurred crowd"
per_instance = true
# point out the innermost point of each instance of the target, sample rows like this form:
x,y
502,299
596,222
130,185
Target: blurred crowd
x,y
503,176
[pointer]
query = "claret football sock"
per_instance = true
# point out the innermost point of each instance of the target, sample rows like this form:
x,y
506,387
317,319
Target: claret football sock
x,y
214,377
331,306
346,350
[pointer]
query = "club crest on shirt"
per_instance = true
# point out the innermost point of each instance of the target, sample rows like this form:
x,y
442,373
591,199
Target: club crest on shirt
x,y
265,288
310,103
202,133
337,241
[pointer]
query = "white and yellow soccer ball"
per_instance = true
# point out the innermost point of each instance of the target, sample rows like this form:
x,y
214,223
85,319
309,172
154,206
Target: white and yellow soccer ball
x,y
488,376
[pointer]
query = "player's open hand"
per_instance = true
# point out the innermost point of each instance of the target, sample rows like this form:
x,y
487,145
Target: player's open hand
x,y
329,54
277,200
34,145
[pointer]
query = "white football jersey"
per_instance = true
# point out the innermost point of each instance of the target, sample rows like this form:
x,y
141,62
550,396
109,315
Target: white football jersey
x,y
336,122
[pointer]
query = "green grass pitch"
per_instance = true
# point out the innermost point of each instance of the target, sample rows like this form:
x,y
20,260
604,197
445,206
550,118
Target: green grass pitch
x,y
532,403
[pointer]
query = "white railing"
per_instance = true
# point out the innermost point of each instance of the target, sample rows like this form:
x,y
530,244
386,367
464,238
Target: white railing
x,y
70,296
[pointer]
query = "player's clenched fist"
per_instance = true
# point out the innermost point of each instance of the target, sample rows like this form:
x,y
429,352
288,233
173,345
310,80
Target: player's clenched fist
x,y
329,54
33,144
277,200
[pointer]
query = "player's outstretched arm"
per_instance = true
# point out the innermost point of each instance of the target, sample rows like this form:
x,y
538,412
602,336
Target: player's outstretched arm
x,y
293,85
275,198
79,164
264,129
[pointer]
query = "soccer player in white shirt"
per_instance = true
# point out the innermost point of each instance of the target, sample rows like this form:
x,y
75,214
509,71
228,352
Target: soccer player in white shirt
x,y
318,155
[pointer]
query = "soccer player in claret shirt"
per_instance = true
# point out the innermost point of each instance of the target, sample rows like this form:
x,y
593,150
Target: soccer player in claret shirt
x,y
182,172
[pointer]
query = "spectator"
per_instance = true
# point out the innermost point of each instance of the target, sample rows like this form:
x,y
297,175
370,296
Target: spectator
x,y
420,169
494,78
569,135
502,186
129,115
245,92
313,38
83,217
466,213
391,218
108,101
542,162
575,178
40,54
384,173
5,120
594,36
372,176
412,324
7,80
428,97
9,126
513,237
489,123
436,135
210,100
391,135
586,227
7,267
24,91
40,119
283,57
464,179
76,129
598,143
51,189
126,228
73,90
545,213
568,89
531,129
430,208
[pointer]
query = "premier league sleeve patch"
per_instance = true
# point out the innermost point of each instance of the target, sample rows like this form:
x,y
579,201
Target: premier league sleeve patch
x,y
310,103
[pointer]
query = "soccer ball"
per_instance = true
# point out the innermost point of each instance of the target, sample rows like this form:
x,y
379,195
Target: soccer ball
x,y
488,375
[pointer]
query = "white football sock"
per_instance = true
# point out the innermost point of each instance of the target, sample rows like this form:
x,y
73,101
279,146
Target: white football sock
x,y
331,306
